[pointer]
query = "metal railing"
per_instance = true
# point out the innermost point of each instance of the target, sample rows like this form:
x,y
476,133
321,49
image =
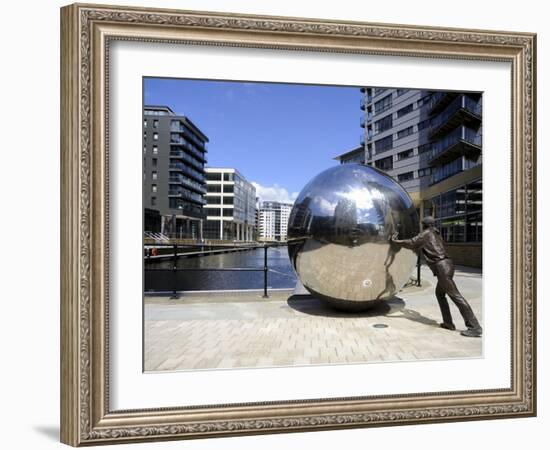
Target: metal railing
x,y
180,154
265,269
461,102
177,127
188,183
188,170
175,256
459,134
178,140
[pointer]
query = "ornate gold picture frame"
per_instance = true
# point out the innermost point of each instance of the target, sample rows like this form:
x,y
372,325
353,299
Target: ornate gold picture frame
x,y
87,31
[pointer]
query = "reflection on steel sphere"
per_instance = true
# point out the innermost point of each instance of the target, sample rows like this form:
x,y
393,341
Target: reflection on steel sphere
x,y
339,231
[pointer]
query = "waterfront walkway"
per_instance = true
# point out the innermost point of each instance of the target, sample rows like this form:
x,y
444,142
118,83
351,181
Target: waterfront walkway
x,y
238,330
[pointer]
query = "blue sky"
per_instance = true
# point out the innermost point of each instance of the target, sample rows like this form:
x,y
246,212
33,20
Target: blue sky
x,y
278,136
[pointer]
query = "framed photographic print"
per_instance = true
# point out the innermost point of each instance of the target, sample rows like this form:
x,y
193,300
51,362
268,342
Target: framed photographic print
x,y
279,224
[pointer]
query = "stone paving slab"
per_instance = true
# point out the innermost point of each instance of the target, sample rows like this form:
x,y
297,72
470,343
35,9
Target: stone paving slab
x,y
238,330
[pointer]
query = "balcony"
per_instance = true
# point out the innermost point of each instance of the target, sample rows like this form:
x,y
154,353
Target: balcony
x,y
188,171
451,168
370,134
177,127
197,187
182,193
462,141
461,111
440,100
180,154
180,142
362,121
362,102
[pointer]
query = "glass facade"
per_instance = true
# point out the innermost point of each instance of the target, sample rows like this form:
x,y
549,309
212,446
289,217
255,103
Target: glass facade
x,y
458,213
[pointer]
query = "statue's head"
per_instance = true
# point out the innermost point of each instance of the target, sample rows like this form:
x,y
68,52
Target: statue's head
x,y
428,221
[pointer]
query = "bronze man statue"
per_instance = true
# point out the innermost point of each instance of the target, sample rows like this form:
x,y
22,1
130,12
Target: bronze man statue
x,y
433,249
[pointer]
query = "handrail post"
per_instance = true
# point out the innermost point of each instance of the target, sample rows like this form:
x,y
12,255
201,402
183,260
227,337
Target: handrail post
x,y
265,272
418,265
175,273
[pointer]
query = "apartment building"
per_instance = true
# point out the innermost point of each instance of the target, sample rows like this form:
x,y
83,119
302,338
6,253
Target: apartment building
x,y
174,154
431,143
274,220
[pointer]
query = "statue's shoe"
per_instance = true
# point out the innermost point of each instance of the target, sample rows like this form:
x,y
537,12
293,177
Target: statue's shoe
x,y
472,332
447,326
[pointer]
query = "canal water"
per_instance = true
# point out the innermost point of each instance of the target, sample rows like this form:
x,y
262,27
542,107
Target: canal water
x,y
160,277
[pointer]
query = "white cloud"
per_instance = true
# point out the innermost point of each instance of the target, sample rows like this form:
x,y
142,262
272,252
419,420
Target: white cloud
x,y
274,193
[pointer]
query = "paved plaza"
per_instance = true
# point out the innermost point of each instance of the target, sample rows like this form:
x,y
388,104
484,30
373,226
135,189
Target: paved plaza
x,y
242,329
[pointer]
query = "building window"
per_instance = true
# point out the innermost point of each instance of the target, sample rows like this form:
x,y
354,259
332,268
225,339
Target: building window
x,y
144,149
213,200
383,124
227,200
404,111
153,201
155,123
475,196
447,170
228,176
213,176
384,163
405,132
406,154
424,148
228,188
400,92
458,213
154,162
382,105
228,212
405,176
383,144
423,124
213,211
155,150
144,123
424,172
155,136
423,101
154,175
153,188
213,187
174,203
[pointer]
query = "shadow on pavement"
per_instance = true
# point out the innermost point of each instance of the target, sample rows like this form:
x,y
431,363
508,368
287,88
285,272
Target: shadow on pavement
x,y
415,316
394,308
308,304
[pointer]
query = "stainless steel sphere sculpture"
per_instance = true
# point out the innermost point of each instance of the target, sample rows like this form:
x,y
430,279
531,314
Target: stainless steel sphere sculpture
x,y
339,231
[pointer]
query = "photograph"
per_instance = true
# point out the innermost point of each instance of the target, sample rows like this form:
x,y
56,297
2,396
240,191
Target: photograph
x,y
307,239
290,224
